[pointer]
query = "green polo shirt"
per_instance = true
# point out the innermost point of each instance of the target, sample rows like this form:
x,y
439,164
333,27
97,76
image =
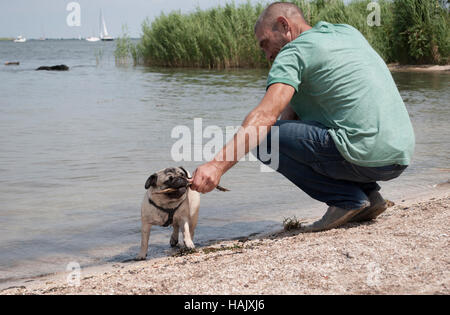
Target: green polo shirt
x,y
342,83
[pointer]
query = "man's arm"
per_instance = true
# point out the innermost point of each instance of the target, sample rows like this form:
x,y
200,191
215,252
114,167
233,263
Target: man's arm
x,y
254,129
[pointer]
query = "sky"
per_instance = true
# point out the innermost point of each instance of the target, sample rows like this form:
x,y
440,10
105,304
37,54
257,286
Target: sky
x,y
48,18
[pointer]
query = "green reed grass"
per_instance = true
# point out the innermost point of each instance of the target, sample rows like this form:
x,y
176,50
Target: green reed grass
x,y
99,56
411,31
125,50
422,31
216,38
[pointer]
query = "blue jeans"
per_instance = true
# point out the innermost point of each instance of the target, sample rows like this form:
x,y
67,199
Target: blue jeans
x,y
309,158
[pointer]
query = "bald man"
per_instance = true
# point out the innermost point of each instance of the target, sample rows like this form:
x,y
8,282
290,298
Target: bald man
x,y
343,123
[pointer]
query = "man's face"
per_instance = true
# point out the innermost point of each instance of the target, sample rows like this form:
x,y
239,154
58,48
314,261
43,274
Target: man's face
x,y
271,41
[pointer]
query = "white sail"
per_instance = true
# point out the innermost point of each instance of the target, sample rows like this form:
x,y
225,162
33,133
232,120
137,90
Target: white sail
x,y
103,30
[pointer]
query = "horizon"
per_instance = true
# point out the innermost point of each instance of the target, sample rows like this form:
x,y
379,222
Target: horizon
x,y
48,18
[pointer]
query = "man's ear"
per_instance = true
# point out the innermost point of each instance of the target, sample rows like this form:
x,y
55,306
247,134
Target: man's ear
x,y
151,181
284,23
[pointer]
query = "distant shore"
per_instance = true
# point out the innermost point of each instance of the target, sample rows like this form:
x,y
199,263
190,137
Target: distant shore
x,y
405,251
395,67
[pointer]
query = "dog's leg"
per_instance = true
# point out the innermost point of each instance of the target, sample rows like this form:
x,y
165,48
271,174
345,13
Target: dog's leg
x,y
193,224
192,227
174,237
187,235
145,235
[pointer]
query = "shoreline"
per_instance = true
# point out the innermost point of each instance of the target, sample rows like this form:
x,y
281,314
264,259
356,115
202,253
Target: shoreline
x,y
395,67
404,251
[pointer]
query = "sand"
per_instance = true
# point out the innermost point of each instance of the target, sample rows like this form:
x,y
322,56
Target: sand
x,y
404,251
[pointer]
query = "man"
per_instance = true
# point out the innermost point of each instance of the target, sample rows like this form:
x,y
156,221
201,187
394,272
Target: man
x,y
343,124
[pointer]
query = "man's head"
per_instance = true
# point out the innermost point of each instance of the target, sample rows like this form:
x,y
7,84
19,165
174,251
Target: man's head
x,y
279,24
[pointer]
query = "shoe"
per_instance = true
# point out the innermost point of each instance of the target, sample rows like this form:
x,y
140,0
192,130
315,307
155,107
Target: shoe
x,y
377,206
333,218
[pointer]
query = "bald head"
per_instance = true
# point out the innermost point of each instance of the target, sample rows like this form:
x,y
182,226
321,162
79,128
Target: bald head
x,y
279,24
268,17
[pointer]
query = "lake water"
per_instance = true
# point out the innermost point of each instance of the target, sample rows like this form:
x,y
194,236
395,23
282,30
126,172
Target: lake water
x,y
78,146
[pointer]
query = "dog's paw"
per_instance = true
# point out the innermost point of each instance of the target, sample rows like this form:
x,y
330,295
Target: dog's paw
x,y
189,244
173,242
140,257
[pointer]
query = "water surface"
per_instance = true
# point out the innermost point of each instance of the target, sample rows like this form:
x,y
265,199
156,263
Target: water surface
x,y
78,146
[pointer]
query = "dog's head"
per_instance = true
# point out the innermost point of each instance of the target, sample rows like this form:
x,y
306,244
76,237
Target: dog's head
x,y
176,178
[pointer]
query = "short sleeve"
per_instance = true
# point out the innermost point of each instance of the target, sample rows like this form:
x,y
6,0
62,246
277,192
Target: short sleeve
x,y
287,68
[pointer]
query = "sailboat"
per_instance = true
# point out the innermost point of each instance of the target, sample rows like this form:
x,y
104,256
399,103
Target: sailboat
x,y
43,35
20,39
103,31
92,39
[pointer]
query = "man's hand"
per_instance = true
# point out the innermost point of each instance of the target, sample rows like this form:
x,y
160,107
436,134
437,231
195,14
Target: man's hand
x,y
206,177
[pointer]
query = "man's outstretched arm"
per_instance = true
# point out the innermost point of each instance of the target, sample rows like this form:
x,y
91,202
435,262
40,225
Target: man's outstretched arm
x,y
254,129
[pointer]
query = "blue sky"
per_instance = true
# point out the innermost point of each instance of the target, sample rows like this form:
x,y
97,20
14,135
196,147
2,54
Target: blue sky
x,y
36,18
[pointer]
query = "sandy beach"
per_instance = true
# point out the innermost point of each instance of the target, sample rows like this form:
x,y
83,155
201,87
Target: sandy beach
x,y
404,251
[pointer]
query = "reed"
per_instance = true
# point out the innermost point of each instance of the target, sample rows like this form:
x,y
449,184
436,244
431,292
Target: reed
x,y
411,31
125,50
216,38
422,31
99,56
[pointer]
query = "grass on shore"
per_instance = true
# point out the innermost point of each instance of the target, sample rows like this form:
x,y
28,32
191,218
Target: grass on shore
x,y
221,37
411,31
125,49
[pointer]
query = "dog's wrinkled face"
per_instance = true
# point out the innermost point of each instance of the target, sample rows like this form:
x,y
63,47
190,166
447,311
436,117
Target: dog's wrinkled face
x,y
176,178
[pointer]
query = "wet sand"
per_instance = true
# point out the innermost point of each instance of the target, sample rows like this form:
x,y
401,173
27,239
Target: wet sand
x,y
404,251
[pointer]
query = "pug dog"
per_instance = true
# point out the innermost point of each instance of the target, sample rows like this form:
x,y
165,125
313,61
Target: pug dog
x,y
169,201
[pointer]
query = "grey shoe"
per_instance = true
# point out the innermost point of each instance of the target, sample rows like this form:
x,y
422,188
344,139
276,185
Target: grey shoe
x,y
377,206
333,218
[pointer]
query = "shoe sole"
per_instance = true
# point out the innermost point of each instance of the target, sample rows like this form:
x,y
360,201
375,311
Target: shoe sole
x,y
341,221
370,213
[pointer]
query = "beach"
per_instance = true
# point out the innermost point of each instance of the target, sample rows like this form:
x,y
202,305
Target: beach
x,y
404,251
79,145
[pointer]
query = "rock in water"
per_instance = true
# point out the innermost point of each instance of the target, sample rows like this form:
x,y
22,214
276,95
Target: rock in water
x,y
54,68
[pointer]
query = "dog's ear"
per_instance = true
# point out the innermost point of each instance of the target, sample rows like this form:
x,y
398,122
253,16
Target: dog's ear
x,y
151,181
185,172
